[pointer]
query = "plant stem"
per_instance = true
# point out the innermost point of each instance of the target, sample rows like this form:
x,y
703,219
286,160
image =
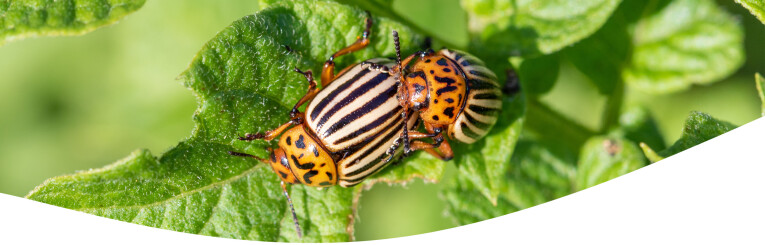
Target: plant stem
x,y
613,107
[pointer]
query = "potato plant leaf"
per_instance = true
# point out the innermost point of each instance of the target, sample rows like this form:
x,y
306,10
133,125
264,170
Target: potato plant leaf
x,y
528,28
535,175
699,127
604,158
756,7
21,19
638,125
684,42
244,83
537,75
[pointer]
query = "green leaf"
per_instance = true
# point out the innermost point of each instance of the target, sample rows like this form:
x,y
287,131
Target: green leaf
x,y
699,127
638,125
604,158
685,42
535,175
421,165
650,153
756,7
31,18
244,82
485,162
760,83
601,56
537,75
528,28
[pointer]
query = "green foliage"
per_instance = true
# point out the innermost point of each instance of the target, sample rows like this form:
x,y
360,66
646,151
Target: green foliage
x,y
699,127
605,158
686,42
516,28
29,18
244,83
756,7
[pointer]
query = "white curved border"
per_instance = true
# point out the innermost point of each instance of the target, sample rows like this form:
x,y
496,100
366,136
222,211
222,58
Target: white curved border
x,y
711,193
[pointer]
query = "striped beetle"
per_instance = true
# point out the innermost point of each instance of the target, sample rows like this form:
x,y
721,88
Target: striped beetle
x,y
344,134
454,93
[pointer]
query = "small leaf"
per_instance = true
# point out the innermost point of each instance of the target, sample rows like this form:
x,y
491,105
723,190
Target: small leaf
x,y
650,153
535,175
537,75
21,19
485,162
244,82
604,158
638,125
699,127
686,42
528,28
760,82
756,7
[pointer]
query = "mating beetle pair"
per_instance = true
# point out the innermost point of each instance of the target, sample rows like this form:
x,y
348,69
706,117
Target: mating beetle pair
x,y
355,124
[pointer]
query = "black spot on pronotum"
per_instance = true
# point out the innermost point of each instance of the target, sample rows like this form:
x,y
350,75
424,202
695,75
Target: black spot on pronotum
x,y
449,100
449,112
435,118
329,175
441,62
289,140
300,143
322,165
309,165
432,72
418,88
447,70
308,175
435,101
315,151
427,61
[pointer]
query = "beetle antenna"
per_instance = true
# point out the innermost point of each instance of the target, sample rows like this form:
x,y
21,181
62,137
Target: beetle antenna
x,y
397,44
292,208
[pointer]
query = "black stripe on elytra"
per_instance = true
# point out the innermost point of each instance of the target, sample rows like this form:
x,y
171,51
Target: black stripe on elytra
x,y
486,96
356,93
309,165
308,175
480,74
379,144
449,112
376,123
371,105
315,151
475,122
323,103
478,84
377,162
469,132
486,111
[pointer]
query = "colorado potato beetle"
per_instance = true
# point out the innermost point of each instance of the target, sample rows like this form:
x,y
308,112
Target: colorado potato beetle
x,y
454,93
344,134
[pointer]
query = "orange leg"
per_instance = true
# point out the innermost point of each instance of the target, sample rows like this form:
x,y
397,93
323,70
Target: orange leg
x,y
312,91
435,133
271,134
328,72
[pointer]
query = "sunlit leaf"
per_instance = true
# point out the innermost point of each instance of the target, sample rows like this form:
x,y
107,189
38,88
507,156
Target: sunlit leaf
x,y
699,127
756,7
605,158
27,18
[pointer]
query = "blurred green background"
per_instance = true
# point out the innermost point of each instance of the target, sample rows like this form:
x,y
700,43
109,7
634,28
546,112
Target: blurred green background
x,y
75,103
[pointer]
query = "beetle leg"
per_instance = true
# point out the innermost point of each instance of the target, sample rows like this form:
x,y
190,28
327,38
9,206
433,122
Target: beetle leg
x,y
328,72
312,91
271,134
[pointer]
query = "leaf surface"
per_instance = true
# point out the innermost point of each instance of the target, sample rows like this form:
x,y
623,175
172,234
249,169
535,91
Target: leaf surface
x,y
529,28
30,18
699,127
604,158
756,7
